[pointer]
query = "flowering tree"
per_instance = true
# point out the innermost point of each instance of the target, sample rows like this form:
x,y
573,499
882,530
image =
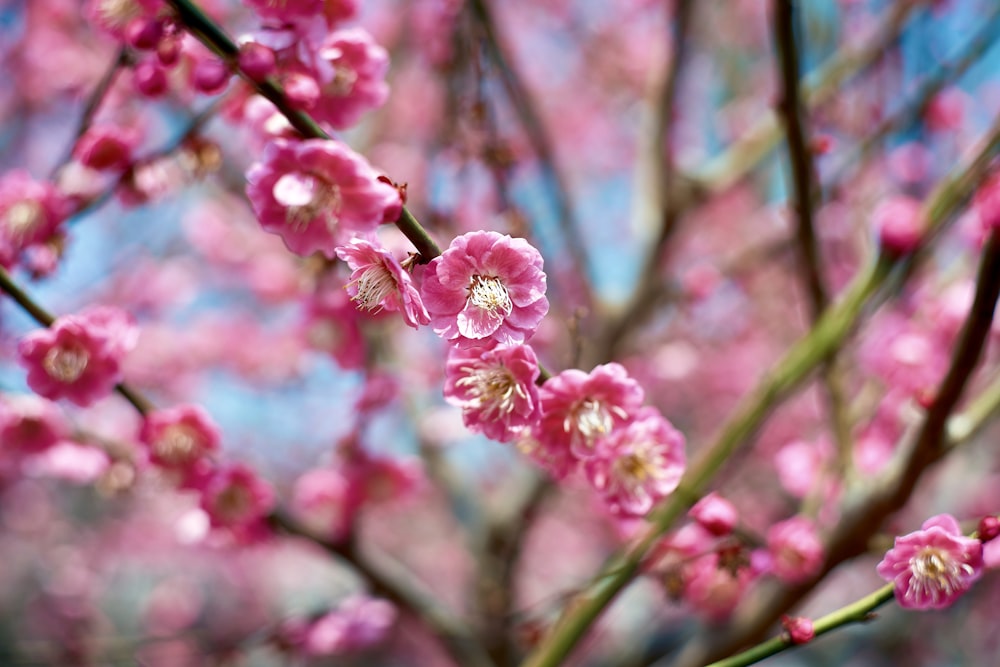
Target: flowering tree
x,y
487,334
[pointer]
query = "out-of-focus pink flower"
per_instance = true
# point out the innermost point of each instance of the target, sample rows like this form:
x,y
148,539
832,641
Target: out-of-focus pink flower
x,y
495,389
30,424
317,193
30,210
331,326
486,287
357,623
715,514
379,281
800,629
799,463
287,10
79,357
930,568
796,550
115,16
350,70
71,462
105,147
321,499
987,202
900,225
579,409
988,529
638,464
236,497
181,439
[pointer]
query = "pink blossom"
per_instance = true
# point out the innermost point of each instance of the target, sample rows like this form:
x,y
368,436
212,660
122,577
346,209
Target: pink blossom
x,y
181,439
71,462
30,424
495,389
357,623
322,500
930,568
316,193
799,464
579,409
331,326
486,287
79,357
987,202
105,147
379,281
115,16
715,514
796,550
30,211
350,70
235,497
639,464
287,10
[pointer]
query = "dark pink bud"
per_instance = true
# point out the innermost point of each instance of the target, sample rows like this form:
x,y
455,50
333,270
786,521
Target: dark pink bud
x,y
150,79
715,514
210,76
169,51
144,33
989,528
800,630
899,223
256,61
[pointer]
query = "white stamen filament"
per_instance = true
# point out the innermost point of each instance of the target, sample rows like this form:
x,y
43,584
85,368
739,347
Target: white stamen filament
x,y
589,418
177,445
493,389
935,574
22,218
318,199
375,284
490,294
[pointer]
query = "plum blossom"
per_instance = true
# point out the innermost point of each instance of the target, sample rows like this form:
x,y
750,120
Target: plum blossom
x,y
715,514
486,287
357,623
350,71
379,281
899,221
800,629
579,409
235,497
638,464
930,568
80,356
106,147
795,548
30,212
316,193
495,389
30,424
181,439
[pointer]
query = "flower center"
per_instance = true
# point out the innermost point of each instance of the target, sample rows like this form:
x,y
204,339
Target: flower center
x,y
493,388
22,219
935,574
178,445
374,285
233,503
118,13
489,294
342,82
307,198
66,363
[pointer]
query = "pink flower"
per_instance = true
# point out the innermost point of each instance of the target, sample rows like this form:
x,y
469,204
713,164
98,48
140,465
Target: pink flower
x,y
486,287
638,464
357,623
796,550
30,424
379,281
79,357
235,497
115,16
900,225
930,568
579,409
322,499
350,70
287,10
181,439
30,210
715,514
316,193
71,462
495,389
986,203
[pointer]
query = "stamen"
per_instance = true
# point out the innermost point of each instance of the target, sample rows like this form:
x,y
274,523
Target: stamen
x,y
490,294
66,364
306,198
492,388
179,444
375,284
22,218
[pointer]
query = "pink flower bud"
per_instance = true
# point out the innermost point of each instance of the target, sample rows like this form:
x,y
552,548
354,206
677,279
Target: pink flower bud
x,y
150,79
256,61
144,33
800,630
899,223
987,203
989,528
168,51
210,76
715,514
